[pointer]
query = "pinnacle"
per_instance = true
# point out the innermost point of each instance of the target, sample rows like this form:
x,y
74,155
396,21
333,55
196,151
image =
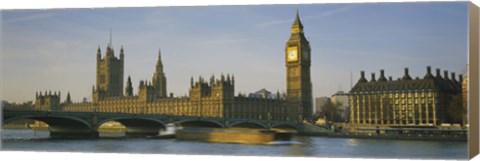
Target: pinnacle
x,y
297,21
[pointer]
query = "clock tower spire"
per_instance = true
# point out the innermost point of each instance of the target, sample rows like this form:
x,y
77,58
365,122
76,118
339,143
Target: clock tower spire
x,y
299,85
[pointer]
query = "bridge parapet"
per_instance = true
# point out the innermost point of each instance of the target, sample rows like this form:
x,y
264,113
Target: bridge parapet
x,y
90,121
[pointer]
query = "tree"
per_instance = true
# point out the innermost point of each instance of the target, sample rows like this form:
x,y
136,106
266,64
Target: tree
x,y
331,110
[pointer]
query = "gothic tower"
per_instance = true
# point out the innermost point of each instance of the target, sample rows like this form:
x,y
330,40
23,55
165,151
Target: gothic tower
x,y
129,88
299,86
109,74
159,80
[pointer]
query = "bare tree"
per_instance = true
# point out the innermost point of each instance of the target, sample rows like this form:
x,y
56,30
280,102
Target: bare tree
x,y
332,110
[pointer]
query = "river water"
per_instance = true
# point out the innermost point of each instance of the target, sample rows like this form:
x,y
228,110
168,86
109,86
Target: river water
x,y
28,140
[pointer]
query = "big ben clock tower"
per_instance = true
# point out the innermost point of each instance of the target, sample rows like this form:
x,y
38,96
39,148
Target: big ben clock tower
x,y
299,85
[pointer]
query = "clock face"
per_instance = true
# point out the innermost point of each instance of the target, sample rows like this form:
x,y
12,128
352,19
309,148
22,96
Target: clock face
x,y
292,54
305,55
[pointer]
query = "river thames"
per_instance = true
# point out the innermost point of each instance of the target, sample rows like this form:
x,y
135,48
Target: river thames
x,y
301,146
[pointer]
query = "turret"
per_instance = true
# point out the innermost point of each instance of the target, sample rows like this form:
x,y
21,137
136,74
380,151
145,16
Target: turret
x,y
191,82
212,80
146,91
228,79
48,101
129,88
99,55
159,80
110,53
122,55
159,66
68,100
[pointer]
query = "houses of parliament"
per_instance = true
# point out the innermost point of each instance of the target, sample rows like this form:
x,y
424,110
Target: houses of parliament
x,y
213,97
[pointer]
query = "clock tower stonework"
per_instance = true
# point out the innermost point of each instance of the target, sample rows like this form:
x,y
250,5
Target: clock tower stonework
x,y
299,85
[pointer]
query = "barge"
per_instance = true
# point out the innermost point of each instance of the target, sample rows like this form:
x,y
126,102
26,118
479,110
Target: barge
x,y
232,135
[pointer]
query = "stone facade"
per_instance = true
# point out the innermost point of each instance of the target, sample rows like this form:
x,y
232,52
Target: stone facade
x,y
405,102
213,98
109,74
47,101
299,85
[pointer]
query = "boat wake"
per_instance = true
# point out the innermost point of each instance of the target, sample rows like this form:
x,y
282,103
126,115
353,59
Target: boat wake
x,y
284,143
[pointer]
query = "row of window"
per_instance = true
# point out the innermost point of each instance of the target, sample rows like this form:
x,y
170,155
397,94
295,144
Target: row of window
x,y
399,95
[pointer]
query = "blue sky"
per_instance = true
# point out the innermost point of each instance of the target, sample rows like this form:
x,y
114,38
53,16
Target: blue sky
x,y
55,49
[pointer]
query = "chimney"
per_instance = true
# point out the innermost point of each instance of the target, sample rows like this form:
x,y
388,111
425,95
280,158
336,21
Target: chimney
x,y
382,76
429,73
390,78
453,77
460,78
373,78
445,74
362,77
406,76
438,76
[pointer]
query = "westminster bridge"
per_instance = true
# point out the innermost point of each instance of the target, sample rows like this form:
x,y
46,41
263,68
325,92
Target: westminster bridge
x,y
86,124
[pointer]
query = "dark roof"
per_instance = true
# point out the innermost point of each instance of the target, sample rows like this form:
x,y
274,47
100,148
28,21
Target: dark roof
x,y
406,84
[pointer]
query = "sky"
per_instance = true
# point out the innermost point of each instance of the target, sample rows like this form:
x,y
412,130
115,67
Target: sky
x,y
55,49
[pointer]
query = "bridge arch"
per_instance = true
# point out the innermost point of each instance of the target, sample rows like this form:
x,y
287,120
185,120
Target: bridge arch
x,y
249,124
137,126
61,126
54,120
201,123
126,119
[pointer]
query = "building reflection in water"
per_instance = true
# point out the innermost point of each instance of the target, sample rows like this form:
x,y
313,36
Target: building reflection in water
x,y
304,148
